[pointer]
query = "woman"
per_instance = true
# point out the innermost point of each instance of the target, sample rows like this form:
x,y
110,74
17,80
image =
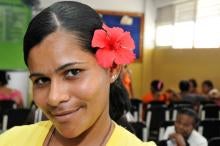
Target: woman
x,y
156,87
74,61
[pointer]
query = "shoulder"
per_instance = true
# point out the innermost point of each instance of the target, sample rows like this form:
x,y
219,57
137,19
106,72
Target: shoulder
x,y
169,130
121,136
21,134
197,139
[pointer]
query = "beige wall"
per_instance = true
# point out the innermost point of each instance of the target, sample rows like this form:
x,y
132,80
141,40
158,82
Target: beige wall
x,y
172,65
166,64
142,73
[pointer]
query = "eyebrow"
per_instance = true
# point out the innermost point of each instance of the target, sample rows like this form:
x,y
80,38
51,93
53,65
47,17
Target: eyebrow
x,y
62,67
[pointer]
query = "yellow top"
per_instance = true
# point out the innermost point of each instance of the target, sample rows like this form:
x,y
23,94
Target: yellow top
x,y
35,134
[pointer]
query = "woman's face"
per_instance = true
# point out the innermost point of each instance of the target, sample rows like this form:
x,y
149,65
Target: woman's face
x,y
68,84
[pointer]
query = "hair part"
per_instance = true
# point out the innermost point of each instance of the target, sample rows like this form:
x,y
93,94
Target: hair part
x,y
74,17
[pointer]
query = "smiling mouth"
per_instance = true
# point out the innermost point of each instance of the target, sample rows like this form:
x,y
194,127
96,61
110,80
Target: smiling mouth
x,y
64,116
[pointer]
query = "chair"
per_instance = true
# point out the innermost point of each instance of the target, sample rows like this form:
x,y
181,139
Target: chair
x,y
209,128
155,116
203,103
156,103
6,105
152,104
14,117
210,111
215,141
163,128
177,105
136,109
140,130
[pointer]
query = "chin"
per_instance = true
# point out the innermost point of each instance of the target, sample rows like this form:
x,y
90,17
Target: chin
x,y
68,133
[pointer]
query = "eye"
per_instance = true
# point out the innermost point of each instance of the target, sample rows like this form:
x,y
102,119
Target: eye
x,y
40,82
72,73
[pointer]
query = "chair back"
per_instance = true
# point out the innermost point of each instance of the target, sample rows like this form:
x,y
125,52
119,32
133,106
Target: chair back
x,y
155,116
177,105
14,117
136,109
209,128
210,111
215,141
140,130
163,128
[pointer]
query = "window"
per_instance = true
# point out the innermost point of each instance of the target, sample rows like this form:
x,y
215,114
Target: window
x,y
191,24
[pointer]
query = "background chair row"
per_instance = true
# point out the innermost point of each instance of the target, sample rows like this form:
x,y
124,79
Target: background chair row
x,y
157,114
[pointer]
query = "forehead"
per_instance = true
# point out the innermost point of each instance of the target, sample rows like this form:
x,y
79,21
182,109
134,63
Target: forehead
x,y
185,118
59,39
56,49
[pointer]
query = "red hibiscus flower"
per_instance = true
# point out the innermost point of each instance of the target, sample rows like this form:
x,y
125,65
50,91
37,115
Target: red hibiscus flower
x,y
114,46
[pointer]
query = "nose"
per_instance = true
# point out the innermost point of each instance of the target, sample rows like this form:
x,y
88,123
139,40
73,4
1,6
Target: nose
x,y
180,127
57,93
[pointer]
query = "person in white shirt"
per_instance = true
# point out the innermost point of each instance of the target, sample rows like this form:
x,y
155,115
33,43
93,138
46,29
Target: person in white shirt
x,y
183,133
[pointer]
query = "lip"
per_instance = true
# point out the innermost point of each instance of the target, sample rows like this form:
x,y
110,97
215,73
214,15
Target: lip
x,y
64,116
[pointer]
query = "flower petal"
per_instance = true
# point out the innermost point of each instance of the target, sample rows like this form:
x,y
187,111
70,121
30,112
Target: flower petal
x,y
126,41
105,57
113,33
123,56
99,39
114,46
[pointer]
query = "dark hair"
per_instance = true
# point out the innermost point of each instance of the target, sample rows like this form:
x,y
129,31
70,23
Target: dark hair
x,y
81,21
208,83
194,83
119,101
184,85
156,85
4,77
74,17
191,113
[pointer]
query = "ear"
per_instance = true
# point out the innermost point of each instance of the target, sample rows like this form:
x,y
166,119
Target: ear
x,y
114,72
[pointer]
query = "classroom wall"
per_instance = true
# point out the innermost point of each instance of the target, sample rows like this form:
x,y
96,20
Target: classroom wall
x,y
166,64
172,65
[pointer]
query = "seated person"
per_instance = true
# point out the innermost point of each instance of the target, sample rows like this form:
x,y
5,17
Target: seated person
x,y
184,133
7,93
210,92
185,94
193,86
171,96
155,93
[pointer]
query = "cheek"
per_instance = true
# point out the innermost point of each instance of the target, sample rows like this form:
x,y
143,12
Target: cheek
x,y
93,87
39,97
189,129
92,91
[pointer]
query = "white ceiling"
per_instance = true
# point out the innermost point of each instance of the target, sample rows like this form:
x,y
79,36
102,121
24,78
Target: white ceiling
x,y
161,3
